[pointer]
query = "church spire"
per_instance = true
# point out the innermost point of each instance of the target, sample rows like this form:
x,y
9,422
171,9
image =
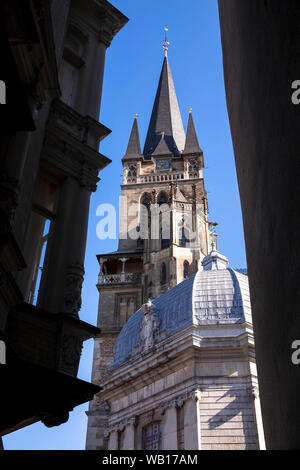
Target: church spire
x,y
191,142
134,146
165,116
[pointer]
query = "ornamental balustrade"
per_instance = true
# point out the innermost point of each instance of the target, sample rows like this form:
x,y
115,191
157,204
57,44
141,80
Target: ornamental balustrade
x,y
123,278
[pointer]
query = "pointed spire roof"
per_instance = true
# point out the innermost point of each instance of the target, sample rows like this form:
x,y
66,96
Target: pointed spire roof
x,y
134,146
165,116
162,147
191,142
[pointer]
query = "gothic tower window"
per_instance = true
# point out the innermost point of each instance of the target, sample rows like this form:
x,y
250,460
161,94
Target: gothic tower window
x,y
145,217
186,270
164,223
126,306
184,237
131,173
152,437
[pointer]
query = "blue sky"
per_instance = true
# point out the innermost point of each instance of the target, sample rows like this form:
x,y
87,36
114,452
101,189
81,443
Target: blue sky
x,y
133,65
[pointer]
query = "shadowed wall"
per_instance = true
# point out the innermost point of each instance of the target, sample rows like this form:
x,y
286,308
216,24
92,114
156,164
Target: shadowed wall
x,y
260,40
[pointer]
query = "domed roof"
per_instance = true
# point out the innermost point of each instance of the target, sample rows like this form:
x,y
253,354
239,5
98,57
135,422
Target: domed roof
x,y
216,295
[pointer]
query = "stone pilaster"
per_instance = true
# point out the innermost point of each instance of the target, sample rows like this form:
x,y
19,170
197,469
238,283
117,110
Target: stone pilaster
x,y
169,438
129,438
254,393
113,440
192,425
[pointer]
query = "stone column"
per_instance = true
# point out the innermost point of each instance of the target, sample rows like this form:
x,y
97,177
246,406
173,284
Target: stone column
x,y
113,440
169,440
101,272
129,437
123,274
192,425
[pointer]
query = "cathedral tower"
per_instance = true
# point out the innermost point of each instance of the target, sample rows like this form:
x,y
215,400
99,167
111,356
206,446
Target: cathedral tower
x,y
164,229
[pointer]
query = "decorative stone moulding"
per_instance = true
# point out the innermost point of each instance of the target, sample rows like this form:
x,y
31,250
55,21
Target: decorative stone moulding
x,y
120,426
179,401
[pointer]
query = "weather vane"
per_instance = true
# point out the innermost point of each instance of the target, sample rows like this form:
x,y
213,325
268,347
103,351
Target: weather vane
x,y
166,43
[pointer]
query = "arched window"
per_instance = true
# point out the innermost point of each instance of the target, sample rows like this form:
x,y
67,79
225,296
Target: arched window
x,y
145,217
184,236
145,201
131,173
163,273
164,223
186,270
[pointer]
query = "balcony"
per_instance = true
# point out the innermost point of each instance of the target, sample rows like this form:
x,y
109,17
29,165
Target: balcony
x,y
161,177
123,278
153,178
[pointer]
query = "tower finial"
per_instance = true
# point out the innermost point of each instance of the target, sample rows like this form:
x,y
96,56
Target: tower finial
x,y
166,43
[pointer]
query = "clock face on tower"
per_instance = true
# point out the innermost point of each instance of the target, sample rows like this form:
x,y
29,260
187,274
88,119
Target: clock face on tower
x,y
162,165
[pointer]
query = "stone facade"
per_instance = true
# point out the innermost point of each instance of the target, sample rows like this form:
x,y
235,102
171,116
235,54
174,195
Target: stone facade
x,y
199,389
163,197
180,372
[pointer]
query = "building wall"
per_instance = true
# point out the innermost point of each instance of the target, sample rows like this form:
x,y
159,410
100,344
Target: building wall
x,y
227,419
208,411
260,41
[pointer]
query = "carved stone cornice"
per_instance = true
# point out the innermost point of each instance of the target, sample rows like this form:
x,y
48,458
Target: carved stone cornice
x,y
112,20
72,143
121,425
107,30
179,401
88,179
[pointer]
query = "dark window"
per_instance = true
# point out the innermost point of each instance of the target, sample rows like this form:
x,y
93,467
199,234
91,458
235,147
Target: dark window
x,y
163,273
162,199
184,237
165,242
164,224
186,270
146,201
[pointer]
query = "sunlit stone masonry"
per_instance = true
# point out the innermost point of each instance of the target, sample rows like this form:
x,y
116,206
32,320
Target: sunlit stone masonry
x,y
177,372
